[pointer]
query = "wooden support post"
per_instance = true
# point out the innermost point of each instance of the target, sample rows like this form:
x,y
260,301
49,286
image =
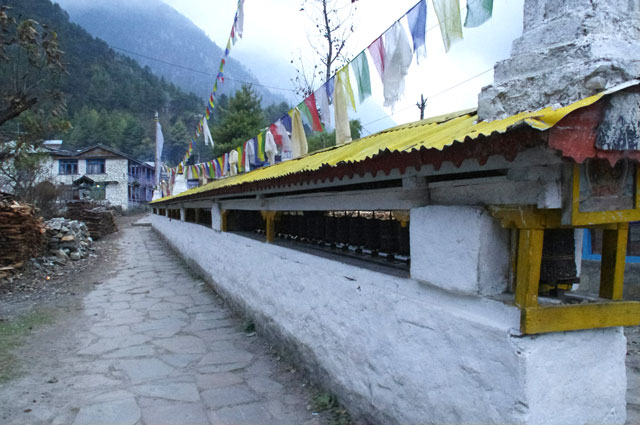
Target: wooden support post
x,y
270,219
614,251
224,226
528,269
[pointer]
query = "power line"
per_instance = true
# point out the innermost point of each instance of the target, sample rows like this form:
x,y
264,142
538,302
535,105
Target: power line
x,y
434,95
196,70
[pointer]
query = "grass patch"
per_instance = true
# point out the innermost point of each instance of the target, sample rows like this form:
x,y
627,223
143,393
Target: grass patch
x,y
12,335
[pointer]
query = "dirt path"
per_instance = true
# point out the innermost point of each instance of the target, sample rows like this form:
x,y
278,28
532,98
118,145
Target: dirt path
x,y
147,344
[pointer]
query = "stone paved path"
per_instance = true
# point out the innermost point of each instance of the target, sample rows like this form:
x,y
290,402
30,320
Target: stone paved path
x,y
153,345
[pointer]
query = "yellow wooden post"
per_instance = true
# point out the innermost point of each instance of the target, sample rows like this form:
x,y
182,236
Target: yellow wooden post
x,y
224,225
614,252
528,268
270,219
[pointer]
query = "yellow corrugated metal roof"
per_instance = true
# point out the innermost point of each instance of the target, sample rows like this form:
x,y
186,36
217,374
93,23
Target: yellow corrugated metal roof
x,y
432,133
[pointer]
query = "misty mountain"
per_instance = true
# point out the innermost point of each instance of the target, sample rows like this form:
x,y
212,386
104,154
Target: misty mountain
x,y
153,29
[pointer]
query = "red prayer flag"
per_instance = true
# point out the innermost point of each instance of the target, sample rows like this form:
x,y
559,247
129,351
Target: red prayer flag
x,y
276,136
310,101
376,50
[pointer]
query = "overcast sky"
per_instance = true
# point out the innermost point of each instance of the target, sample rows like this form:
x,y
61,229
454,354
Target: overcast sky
x,y
275,32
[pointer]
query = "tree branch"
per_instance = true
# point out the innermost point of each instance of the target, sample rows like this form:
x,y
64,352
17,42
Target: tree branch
x,y
17,107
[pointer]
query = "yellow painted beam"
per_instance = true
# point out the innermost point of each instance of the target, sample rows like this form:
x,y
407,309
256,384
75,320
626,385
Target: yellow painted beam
x,y
535,320
614,251
528,267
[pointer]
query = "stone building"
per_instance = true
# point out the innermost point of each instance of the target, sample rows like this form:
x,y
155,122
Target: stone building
x,y
426,274
101,173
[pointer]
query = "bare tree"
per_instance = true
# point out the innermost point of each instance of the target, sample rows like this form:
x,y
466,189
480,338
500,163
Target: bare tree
x,y
332,20
30,65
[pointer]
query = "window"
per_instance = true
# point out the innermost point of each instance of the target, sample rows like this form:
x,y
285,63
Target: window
x,y
68,166
95,166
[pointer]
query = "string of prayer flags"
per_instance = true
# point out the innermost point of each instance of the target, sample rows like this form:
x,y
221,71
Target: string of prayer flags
x,y
310,102
249,154
448,13
346,81
478,12
398,59
417,19
361,71
208,140
376,50
343,131
298,137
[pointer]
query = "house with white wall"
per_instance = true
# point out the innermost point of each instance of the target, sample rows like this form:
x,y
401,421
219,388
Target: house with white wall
x,y
100,173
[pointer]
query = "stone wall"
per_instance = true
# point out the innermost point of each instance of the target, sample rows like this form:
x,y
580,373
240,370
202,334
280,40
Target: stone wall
x,y
400,351
569,50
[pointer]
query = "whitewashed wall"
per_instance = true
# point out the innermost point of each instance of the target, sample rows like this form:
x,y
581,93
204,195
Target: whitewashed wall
x,y
115,170
398,351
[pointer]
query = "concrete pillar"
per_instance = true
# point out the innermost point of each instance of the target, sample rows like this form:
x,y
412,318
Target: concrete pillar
x,y
183,214
460,249
569,50
216,217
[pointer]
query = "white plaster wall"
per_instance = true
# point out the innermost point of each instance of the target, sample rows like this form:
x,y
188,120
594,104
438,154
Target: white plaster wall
x,y
216,217
459,249
116,170
397,351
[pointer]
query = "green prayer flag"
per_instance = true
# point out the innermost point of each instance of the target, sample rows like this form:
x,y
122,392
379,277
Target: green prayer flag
x,y
361,69
448,13
478,12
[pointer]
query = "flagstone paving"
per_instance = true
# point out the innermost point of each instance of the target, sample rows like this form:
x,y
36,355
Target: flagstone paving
x,y
152,345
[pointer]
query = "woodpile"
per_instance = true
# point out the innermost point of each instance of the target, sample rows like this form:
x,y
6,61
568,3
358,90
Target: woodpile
x,y
22,234
100,220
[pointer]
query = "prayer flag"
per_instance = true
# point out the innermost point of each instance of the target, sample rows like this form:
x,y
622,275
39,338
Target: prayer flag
x,y
228,48
330,87
343,131
286,121
306,114
323,106
310,101
361,70
211,101
448,13
261,153
239,24
417,18
398,59
284,136
298,137
478,12
346,81
276,134
207,134
376,50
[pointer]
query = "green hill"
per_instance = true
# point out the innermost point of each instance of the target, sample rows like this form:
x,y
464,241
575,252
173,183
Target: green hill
x,y
110,98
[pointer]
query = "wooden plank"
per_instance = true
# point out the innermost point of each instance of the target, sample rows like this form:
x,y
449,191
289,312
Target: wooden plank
x,y
614,252
528,267
558,318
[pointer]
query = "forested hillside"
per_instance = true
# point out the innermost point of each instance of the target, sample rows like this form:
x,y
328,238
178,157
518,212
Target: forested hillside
x,y
155,30
110,98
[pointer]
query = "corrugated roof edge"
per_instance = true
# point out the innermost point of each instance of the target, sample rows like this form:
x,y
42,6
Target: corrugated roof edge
x,y
542,120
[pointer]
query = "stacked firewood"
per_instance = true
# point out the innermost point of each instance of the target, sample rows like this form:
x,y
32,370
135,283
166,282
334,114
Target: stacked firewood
x,y
100,220
22,234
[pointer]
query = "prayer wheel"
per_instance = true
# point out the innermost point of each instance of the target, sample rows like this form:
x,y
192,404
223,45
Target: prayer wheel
x,y
342,230
372,235
330,226
388,237
356,231
558,268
